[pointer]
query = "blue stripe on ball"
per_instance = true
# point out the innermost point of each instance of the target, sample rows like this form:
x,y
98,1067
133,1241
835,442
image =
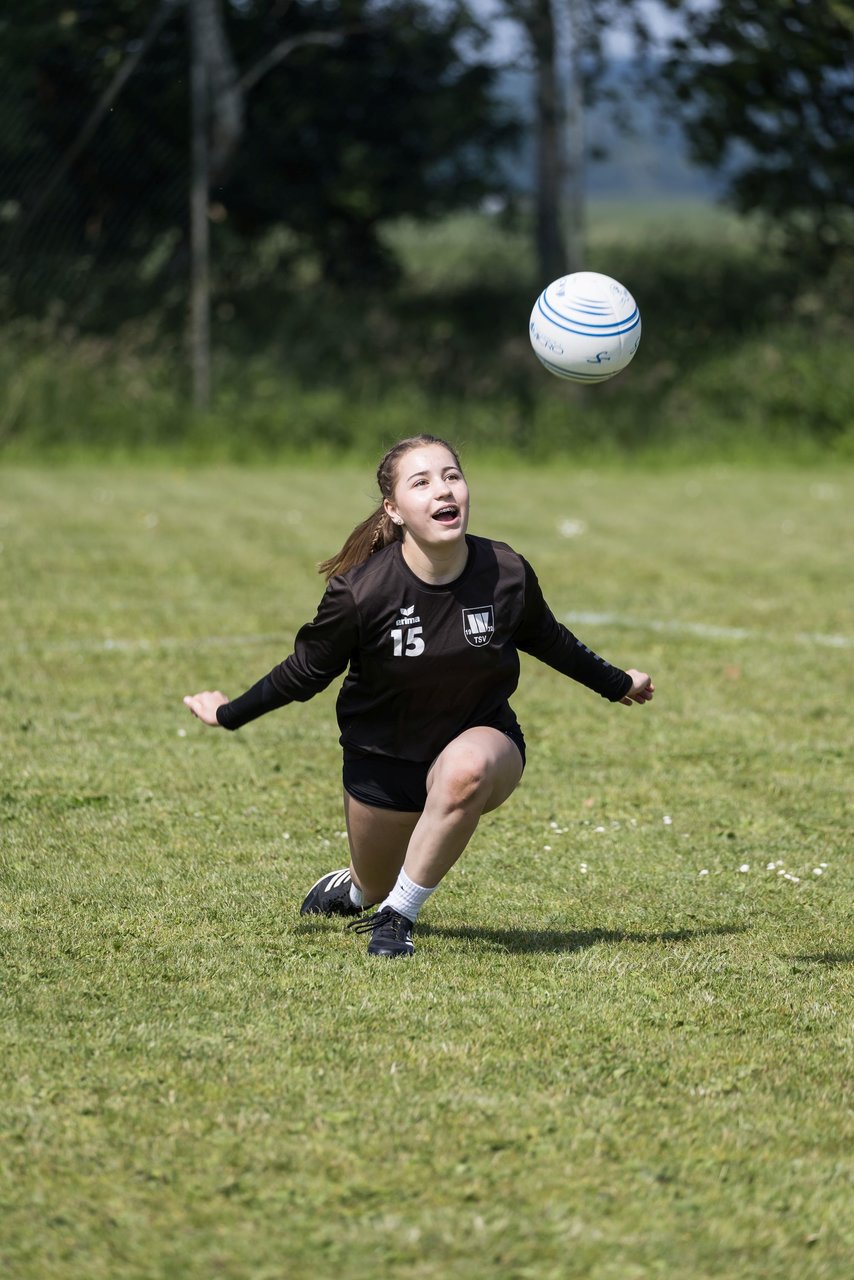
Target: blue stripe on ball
x,y
571,375
584,328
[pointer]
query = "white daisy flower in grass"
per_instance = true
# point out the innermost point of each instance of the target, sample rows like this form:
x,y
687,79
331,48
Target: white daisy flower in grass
x,y
745,866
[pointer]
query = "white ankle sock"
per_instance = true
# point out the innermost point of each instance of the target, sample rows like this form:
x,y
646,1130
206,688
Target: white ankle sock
x,y
356,895
407,897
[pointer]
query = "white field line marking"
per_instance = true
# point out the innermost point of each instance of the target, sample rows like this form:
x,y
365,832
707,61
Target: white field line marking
x,y
705,630
112,645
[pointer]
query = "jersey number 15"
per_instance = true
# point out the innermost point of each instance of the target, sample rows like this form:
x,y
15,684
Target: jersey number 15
x,y
412,637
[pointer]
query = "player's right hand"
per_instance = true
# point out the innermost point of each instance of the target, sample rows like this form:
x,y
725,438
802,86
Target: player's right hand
x,y
204,705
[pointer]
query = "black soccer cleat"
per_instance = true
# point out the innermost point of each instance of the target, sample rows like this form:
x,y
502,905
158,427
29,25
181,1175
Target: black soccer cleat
x,y
391,933
330,896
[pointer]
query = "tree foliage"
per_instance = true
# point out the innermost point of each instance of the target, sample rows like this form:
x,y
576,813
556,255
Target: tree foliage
x,y
388,119
391,121
766,91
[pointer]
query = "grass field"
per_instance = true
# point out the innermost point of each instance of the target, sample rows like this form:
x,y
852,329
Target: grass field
x,y
623,1048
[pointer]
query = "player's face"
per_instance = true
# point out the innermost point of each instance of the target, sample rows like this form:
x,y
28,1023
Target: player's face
x,y
431,495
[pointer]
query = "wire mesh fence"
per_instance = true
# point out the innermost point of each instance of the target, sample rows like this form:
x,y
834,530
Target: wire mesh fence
x,y
94,196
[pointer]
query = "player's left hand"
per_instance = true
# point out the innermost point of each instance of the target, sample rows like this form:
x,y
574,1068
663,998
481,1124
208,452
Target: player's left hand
x,y
642,688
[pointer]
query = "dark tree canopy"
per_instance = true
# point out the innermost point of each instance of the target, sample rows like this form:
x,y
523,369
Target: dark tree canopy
x,y
766,90
389,120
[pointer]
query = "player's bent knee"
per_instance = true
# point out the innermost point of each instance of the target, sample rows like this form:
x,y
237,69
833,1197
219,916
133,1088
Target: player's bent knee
x,y
463,780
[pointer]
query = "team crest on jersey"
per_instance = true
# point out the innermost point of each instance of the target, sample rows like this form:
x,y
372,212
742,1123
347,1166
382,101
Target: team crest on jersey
x,y
479,625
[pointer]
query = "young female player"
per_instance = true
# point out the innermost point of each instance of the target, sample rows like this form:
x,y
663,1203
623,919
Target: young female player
x,y
430,622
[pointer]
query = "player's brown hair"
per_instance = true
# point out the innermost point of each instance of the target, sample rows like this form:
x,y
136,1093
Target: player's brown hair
x,y
378,530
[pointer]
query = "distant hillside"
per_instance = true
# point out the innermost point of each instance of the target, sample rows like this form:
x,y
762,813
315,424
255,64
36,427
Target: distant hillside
x,y
650,161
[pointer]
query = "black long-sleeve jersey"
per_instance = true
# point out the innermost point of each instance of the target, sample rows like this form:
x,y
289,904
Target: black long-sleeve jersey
x,y
425,662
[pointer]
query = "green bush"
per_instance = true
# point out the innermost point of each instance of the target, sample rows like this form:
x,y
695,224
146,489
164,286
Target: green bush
x,y
739,354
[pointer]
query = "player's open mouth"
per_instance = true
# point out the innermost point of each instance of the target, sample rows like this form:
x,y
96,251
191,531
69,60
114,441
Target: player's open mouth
x,y
446,515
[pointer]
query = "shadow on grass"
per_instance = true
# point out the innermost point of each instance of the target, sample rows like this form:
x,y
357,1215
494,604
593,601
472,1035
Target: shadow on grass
x,y
523,940
826,957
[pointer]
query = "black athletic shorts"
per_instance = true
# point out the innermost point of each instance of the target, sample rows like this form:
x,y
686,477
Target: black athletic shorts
x,y
385,783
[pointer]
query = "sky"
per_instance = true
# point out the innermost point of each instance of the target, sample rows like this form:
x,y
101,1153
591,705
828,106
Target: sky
x,y
507,41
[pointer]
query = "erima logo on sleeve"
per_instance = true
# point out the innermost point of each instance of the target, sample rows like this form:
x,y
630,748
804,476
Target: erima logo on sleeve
x,y
479,625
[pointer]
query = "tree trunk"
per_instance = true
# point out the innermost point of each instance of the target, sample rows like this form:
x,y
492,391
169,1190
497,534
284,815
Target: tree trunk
x,y
576,210
551,249
226,97
201,24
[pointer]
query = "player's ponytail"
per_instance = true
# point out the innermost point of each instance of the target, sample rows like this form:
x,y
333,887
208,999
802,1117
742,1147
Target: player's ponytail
x,y
379,529
371,535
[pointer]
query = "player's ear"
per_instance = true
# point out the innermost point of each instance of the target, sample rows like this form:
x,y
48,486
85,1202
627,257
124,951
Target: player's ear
x,y
391,511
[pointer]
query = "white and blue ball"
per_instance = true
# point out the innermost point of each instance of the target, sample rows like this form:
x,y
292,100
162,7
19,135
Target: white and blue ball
x,y
585,327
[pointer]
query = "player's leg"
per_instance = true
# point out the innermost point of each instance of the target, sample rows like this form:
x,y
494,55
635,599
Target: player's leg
x,y
383,799
379,839
378,842
473,775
